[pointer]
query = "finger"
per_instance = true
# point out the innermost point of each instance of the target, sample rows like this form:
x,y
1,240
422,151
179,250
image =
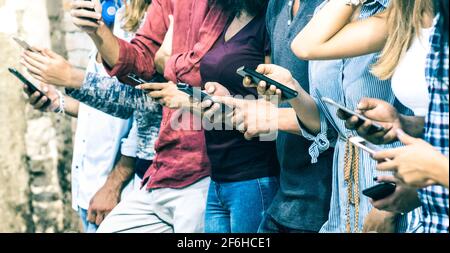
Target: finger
x,y
271,91
264,69
262,87
99,218
40,103
248,82
50,53
34,98
387,166
210,88
92,216
81,22
86,14
156,94
249,135
364,129
82,4
388,179
152,86
36,57
404,138
206,104
31,68
387,154
367,104
212,112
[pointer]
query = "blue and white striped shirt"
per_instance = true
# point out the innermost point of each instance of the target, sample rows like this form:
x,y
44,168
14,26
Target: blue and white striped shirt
x,y
347,81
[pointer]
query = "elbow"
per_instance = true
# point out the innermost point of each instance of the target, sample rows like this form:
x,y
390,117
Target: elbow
x,y
302,50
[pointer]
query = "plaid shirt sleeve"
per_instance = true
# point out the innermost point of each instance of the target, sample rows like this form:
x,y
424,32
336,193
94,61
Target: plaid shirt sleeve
x,y
435,199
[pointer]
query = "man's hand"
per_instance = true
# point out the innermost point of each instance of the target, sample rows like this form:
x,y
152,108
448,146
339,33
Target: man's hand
x,y
213,111
252,117
379,222
276,73
87,15
103,203
37,101
167,94
403,200
381,112
49,67
165,51
417,164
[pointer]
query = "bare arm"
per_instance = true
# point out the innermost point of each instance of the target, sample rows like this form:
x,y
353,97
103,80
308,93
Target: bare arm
x,y
331,34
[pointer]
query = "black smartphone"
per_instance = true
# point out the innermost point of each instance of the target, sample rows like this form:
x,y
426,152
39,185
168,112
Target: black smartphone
x,y
31,87
157,78
380,191
374,128
287,93
199,95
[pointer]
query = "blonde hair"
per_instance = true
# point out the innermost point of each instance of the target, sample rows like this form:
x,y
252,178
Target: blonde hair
x,y
134,13
405,21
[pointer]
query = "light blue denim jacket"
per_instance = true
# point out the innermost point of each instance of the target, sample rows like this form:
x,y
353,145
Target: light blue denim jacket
x,y
111,96
347,81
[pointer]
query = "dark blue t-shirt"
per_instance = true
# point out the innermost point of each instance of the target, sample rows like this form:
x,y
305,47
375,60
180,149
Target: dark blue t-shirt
x,y
233,158
303,200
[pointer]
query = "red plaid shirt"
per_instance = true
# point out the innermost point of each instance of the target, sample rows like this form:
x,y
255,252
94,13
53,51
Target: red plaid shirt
x,y
181,158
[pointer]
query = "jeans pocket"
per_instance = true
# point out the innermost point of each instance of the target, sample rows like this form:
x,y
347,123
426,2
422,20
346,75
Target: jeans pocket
x,y
268,187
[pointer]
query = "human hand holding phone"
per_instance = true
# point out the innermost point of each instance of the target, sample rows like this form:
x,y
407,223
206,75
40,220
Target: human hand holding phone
x,y
377,111
268,90
86,15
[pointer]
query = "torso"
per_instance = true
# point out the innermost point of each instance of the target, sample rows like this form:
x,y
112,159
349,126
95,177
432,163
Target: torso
x,y
408,82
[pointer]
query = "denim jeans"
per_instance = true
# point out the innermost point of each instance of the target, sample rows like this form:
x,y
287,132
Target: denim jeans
x,y
87,226
238,207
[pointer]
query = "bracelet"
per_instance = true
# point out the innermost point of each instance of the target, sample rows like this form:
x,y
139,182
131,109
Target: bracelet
x,y
61,107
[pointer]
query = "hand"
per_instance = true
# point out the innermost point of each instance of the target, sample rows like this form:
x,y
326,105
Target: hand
x,y
103,203
84,18
213,111
167,94
379,222
417,164
48,67
381,112
38,101
276,73
252,117
165,51
403,200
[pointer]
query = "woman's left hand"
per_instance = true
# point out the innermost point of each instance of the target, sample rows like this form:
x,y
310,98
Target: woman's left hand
x,y
418,164
167,94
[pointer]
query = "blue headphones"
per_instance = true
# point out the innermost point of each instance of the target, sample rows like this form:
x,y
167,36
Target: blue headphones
x,y
109,10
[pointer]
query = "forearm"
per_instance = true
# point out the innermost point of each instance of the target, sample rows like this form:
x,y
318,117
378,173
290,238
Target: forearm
x,y
307,111
71,106
107,45
287,121
122,173
75,79
440,170
413,125
335,33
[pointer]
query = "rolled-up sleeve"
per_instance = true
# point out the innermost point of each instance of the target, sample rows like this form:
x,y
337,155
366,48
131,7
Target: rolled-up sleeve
x,y
322,141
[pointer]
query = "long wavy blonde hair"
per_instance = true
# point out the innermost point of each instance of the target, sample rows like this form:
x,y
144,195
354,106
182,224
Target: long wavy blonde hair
x,y
134,13
405,21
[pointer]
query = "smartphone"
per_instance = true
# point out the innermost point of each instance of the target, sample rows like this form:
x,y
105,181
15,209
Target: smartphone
x,y
365,145
25,45
196,92
157,78
374,128
31,87
380,191
287,93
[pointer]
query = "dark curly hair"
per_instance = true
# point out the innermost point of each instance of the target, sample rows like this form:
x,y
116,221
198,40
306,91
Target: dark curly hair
x,y
236,7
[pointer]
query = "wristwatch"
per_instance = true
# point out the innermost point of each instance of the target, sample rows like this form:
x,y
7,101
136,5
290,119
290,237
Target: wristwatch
x,y
355,2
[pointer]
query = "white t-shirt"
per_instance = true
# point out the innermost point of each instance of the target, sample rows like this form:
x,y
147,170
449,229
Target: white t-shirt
x,y
408,82
98,142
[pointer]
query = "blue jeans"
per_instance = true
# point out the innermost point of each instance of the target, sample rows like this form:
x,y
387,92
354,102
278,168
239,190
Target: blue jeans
x,y
87,226
238,207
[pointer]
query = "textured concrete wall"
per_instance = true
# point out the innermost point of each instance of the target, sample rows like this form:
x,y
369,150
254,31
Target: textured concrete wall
x,y
35,147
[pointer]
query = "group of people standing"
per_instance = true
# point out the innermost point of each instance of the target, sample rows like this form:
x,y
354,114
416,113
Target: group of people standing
x,y
138,168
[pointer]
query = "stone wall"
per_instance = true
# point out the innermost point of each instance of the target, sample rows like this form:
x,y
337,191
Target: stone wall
x,y
35,147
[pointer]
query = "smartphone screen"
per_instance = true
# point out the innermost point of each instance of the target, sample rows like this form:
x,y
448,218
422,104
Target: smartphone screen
x,y
374,127
365,145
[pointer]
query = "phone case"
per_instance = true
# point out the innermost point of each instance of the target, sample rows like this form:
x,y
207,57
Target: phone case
x,y
288,93
380,191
